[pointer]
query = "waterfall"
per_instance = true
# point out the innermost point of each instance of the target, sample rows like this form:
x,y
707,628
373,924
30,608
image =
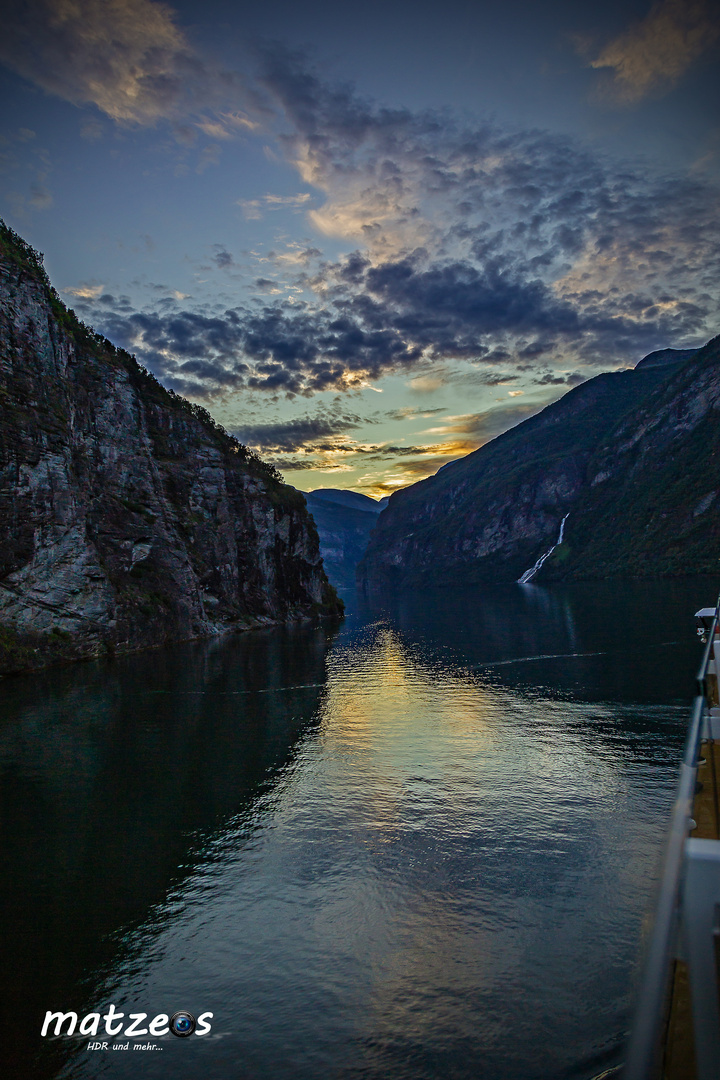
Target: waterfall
x,y
530,574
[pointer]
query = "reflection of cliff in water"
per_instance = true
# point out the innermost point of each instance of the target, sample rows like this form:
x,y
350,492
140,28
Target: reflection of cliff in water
x,y
114,776
568,636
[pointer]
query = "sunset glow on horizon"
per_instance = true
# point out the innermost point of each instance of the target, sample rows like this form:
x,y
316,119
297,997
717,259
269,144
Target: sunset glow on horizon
x,y
369,255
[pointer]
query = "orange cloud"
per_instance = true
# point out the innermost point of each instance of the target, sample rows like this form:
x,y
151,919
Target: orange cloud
x,y
656,52
127,57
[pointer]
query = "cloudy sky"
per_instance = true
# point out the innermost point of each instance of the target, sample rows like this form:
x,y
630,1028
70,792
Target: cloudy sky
x,y
369,237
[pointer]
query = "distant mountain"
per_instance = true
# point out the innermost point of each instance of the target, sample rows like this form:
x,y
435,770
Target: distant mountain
x,y
344,521
630,457
128,517
350,498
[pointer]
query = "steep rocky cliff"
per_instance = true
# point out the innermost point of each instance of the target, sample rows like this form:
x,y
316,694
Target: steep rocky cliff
x,y
630,456
128,518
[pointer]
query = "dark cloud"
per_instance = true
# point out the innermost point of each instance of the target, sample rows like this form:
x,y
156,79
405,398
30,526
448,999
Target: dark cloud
x,y
498,378
291,464
222,258
449,308
549,378
286,348
408,413
291,435
192,353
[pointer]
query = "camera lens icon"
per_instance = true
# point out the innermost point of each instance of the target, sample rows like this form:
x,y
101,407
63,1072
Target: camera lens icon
x,y
182,1024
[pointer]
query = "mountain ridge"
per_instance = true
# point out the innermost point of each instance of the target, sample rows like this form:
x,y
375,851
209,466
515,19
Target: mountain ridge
x,y
347,497
491,515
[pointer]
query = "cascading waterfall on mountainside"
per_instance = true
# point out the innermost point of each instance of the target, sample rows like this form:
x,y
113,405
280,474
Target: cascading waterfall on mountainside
x,y
530,574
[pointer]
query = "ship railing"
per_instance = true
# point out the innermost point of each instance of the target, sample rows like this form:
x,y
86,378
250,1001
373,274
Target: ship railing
x,y
686,925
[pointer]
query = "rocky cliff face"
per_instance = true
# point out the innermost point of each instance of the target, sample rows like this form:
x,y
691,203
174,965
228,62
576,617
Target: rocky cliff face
x,y
127,517
630,456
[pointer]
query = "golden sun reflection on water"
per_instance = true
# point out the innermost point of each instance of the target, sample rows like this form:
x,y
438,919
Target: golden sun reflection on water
x,y
394,718
474,781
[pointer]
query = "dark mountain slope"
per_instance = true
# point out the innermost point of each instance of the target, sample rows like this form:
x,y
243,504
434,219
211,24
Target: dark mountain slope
x,y
490,516
665,356
127,516
652,504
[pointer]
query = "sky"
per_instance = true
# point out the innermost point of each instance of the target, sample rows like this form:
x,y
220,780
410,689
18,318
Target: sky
x,y
370,237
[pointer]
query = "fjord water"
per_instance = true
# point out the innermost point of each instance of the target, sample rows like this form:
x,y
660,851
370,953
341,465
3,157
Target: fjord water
x,y
416,845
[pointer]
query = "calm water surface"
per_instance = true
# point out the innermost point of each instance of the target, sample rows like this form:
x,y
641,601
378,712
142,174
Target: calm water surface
x,y
415,846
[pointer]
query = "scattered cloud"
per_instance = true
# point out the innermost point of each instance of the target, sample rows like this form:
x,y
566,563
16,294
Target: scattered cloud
x,y
253,209
91,130
426,384
210,155
655,53
287,200
498,248
325,443
85,292
295,255
126,57
479,428
468,238
222,258
40,197
226,125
